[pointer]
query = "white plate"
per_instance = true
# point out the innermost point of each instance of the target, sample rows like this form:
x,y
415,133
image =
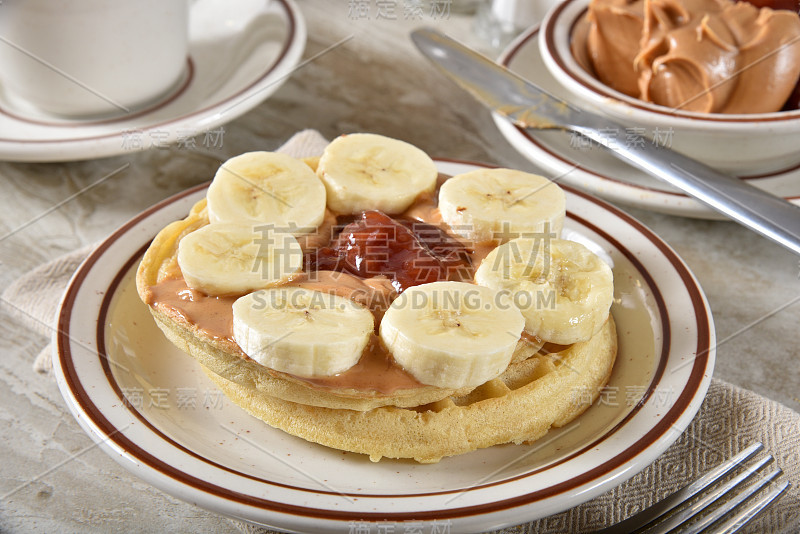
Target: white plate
x,y
153,410
238,56
591,168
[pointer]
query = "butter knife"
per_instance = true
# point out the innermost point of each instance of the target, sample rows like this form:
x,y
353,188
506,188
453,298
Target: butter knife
x,y
529,106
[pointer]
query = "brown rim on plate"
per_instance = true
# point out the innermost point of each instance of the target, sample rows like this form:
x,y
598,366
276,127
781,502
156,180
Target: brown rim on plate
x,y
284,50
600,89
117,437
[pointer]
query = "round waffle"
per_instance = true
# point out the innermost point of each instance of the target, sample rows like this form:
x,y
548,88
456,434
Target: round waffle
x,y
537,391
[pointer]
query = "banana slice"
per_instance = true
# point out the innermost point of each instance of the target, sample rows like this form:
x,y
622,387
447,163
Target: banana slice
x,y
301,331
372,172
501,204
230,258
452,334
267,187
562,288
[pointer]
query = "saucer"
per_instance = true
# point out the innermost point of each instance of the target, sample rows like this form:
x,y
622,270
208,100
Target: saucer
x,y
575,161
238,56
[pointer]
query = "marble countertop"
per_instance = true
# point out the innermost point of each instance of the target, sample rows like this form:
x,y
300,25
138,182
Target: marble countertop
x,y
375,82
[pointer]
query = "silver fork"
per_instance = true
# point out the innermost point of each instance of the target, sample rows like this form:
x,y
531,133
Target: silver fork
x,y
732,513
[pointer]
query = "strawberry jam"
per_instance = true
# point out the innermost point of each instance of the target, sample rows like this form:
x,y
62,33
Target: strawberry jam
x,y
407,252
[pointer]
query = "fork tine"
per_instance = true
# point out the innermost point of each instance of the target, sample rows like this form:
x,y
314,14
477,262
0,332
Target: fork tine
x,y
733,503
709,498
650,514
741,518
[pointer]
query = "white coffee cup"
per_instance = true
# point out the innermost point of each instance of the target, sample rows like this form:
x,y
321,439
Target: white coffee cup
x,y
87,58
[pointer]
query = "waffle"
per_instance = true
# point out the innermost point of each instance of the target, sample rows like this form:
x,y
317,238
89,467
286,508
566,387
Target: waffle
x,y
521,405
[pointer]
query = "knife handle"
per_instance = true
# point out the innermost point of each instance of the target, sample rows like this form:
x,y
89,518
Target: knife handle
x,y
762,212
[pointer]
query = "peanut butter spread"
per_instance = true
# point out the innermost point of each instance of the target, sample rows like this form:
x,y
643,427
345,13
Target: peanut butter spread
x,y
710,56
376,370
212,314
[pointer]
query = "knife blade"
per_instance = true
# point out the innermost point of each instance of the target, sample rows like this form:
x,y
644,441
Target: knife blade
x,y
529,106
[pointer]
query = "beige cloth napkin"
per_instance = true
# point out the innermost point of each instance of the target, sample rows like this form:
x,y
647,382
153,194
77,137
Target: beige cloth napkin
x,y
730,419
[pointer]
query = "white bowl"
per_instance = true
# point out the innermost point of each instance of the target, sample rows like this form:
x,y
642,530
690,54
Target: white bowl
x,y
740,144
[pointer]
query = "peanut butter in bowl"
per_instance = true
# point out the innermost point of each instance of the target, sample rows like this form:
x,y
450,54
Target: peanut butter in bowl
x,y
719,77
706,56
